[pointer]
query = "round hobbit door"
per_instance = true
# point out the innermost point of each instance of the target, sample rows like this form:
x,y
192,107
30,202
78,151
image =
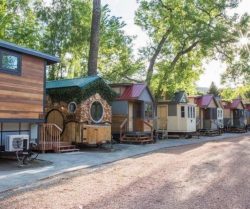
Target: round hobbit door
x,y
96,111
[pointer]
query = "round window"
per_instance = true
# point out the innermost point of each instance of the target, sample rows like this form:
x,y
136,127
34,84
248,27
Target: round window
x,y
96,111
72,107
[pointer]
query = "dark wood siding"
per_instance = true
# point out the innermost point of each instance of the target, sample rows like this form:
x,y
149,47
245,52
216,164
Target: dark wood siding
x,y
21,97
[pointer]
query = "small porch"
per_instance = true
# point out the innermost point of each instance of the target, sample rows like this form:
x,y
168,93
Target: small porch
x,y
137,126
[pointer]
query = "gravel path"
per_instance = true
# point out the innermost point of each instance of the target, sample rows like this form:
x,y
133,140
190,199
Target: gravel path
x,y
214,175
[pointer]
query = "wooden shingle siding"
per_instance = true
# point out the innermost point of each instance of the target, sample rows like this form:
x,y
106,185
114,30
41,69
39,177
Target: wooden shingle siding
x,y
21,97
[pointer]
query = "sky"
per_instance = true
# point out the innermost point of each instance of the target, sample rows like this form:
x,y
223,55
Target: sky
x,y
126,9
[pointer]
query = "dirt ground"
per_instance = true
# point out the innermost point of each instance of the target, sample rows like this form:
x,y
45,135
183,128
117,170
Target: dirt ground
x,y
214,175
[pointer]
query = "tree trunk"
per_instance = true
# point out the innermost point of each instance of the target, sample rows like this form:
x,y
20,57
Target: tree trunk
x,y
94,39
154,57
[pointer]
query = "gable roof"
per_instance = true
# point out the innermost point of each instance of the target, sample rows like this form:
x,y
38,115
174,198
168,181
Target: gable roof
x,y
13,47
180,97
133,91
205,100
219,101
235,103
76,82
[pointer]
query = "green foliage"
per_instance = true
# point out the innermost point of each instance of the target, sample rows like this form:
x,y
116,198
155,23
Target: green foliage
x,y
232,93
194,31
238,56
78,95
63,29
213,90
18,23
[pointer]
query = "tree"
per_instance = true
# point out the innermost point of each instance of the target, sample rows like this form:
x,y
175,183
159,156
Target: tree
x,y
213,90
180,28
94,38
233,93
18,23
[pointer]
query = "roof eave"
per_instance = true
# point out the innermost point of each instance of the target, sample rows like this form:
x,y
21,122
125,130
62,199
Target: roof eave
x,y
10,46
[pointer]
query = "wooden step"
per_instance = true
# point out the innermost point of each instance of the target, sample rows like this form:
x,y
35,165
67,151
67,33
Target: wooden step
x,y
209,132
70,150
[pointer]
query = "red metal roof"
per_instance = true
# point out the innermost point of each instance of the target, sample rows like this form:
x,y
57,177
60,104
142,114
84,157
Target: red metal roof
x,y
235,103
204,101
132,92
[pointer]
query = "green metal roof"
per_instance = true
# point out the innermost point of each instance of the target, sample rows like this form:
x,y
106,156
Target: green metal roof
x,y
76,82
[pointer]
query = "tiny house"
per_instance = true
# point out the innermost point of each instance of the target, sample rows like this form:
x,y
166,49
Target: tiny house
x,y
81,108
248,115
234,114
133,113
22,92
176,116
209,113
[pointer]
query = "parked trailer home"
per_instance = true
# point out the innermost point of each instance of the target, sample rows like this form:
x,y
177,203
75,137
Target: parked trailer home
x,y
248,115
81,110
133,113
208,114
22,94
234,115
176,117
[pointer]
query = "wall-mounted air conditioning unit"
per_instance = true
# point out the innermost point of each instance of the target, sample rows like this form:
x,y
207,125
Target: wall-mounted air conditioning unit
x,y
17,143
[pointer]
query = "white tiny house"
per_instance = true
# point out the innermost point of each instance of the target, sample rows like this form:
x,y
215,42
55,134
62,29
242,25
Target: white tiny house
x,y
177,116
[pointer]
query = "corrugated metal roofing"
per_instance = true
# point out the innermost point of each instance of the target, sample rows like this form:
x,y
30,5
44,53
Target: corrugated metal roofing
x,y
76,82
235,103
132,92
204,101
7,45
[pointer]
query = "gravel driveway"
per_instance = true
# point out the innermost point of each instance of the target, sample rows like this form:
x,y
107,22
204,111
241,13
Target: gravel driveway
x,y
214,175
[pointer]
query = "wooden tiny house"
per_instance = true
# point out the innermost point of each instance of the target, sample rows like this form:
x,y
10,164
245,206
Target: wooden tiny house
x,y
133,113
81,108
176,116
234,114
22,90
209,114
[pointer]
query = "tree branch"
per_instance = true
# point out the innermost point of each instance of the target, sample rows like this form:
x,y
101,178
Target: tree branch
x,y
155,55
173,63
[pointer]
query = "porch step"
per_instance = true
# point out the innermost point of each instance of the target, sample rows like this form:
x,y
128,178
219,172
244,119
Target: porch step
x,y
69,150
137,137
204,132
236,130
67,147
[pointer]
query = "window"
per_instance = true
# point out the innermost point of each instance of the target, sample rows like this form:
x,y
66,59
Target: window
x,y
182,111
72,107
189,112
148,111
96,111
193,112
172,110
10,62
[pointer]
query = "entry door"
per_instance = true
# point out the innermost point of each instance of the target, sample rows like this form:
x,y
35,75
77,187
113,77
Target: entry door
x,y
130,116
137,113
